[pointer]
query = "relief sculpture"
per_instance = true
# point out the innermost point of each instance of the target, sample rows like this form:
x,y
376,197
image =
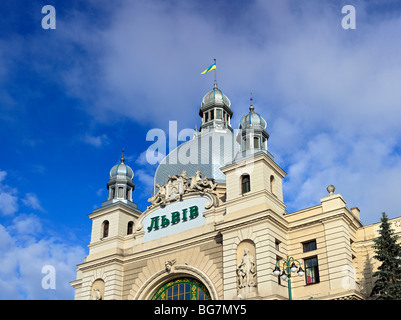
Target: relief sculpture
x,y
179,185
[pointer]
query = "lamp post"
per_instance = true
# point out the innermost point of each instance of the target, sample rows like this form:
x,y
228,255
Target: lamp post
x,y
289,265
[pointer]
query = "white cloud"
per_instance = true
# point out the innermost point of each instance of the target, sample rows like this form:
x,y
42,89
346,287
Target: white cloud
x,y
286,53
330,96
27,225
364,171
145,177
25,248
99,192
141,160
96,141
23,259
8,203
2,175
8,198
31,200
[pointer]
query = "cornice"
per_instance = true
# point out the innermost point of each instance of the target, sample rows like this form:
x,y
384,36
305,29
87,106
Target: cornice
x,y
341,213
254,158
254,194
253,218
113,207
151,252
101,262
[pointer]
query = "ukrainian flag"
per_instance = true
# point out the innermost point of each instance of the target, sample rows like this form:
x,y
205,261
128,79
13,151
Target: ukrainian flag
x,y
212,67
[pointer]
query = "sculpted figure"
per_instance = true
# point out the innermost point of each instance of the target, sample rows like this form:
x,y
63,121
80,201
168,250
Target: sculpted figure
x,y
201,184
176,186
169,264
246,270
182,175
160,196
96,294
180,184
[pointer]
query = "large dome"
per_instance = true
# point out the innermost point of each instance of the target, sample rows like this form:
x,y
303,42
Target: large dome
x,y
207,152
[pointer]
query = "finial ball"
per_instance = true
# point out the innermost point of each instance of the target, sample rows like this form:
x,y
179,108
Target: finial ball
x,y
330,189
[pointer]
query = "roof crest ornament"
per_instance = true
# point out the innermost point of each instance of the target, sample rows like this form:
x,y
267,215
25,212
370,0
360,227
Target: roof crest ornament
x,y
251,108
122,159
179,185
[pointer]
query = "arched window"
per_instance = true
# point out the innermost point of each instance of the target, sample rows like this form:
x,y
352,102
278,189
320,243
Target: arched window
x,y
256,142
105,229
272,184
120,193
182,289
113,193
130,227
245,183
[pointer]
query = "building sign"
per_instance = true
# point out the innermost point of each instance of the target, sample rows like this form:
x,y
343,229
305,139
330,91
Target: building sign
x,y
176,217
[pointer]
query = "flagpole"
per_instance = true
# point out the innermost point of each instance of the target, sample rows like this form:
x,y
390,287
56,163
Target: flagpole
x,y
215,81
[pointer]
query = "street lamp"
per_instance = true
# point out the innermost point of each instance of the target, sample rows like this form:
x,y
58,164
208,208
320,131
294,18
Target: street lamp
x,y
289,266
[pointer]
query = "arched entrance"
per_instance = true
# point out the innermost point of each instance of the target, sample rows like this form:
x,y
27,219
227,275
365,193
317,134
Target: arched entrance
x,y
162,281
182,289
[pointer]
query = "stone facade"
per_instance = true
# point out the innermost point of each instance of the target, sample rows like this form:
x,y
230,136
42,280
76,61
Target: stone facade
x,y
124,266
221,237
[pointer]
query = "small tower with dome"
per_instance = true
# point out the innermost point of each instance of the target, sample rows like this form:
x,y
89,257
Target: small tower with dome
x,y
253,171
253,135
120,185
215,110
115,219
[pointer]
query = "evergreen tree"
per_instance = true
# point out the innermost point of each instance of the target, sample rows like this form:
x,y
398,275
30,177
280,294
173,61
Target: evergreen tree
x,y
388,252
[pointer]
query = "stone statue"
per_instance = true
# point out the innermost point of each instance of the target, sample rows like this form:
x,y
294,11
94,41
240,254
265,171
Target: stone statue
x,y
96,295
176,186
201,184
182,175
160,196
246,270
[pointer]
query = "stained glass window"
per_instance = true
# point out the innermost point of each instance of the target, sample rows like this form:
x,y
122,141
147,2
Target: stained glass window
x,y
182,289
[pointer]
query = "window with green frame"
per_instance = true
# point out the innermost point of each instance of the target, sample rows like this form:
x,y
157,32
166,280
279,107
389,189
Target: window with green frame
x,y
182,289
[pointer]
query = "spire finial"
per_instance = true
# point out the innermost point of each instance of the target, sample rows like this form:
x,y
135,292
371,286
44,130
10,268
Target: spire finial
x,y
122,159
251,108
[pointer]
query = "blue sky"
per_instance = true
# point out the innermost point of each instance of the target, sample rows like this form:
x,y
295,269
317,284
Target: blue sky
x,y
73,97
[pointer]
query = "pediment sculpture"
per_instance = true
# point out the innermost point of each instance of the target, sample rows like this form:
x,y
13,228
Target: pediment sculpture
x,y
179,185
